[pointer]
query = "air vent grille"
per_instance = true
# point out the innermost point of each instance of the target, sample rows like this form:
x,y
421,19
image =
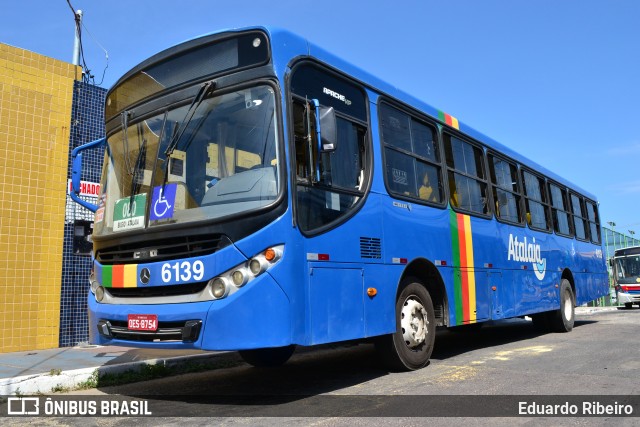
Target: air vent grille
x,y
370,248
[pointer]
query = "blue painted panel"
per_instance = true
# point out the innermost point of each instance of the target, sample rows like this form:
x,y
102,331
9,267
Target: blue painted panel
x,y
379,311
336,304
256,316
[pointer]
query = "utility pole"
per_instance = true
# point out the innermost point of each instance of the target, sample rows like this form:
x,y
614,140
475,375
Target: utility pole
x,y
76,42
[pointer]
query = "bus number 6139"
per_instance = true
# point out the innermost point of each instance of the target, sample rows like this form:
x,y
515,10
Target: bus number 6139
x,y
182,271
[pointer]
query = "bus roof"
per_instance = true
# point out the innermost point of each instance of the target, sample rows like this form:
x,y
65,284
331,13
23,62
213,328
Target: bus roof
x,y
285,44
634,250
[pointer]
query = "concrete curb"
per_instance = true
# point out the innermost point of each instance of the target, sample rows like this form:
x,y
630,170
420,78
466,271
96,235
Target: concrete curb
x,y
592,310
70,379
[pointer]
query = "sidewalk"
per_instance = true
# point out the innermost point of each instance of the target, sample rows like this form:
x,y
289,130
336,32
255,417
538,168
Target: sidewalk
x,y
41,371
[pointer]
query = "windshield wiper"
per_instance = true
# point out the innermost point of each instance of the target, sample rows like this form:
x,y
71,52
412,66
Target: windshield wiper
x,y
124,120
205,88
141,160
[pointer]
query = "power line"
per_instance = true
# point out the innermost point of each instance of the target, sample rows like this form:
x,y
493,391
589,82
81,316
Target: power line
x,y
106,54
87,76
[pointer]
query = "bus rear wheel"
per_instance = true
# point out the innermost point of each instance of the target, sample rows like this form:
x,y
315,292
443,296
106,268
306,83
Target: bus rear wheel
x,y
563,319
410,347
267,357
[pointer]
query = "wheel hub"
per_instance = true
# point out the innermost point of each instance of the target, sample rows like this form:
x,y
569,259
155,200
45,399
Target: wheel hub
x,y
414,323
567,306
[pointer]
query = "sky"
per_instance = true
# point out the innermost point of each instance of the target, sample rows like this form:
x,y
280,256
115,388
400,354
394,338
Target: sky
x,y
557,81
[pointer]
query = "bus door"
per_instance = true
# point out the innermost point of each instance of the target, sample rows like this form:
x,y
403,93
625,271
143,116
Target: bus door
x,y
330,185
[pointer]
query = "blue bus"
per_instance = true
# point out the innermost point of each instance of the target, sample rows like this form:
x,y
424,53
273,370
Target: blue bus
x,y
259,193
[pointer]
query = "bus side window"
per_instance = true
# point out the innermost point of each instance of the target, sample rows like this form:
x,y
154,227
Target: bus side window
x,y
579,223
506,189
329,183
467,178
559,210
536,201
412,158
594,222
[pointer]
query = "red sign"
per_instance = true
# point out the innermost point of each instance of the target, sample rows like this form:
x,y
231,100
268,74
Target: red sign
x,y
86,188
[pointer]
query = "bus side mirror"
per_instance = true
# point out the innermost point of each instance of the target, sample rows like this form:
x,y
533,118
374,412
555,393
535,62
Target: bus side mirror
x,y
611,262
76,172
326,127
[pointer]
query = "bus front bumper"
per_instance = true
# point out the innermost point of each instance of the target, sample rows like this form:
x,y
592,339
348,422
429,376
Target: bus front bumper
x,y
627,298
256,316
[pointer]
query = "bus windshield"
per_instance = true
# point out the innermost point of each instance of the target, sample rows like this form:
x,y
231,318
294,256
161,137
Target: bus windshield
x,y
203,161
628,269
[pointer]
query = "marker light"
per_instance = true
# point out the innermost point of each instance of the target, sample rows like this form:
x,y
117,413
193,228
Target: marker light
x,y
256,42
272,254
372,292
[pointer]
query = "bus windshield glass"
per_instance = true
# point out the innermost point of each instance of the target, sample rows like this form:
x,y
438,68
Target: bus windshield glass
x,y
628,269
198,162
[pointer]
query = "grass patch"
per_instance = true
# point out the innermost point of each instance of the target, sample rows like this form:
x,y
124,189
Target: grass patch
x,y
146,373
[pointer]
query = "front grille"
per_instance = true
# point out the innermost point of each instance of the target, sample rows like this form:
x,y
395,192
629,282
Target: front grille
x,y
162,250
157,291
188,331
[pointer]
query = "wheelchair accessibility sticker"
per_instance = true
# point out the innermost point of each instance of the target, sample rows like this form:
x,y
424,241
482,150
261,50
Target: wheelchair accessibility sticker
x,y
163,201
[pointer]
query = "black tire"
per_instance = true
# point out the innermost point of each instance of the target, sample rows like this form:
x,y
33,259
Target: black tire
x,y
563,319
628,305
267,357
410,347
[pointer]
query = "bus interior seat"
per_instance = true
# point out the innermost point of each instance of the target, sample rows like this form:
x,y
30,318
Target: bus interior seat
x,y
426,192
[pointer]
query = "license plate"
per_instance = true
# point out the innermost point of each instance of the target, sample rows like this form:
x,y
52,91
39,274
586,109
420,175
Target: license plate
x,y
142,322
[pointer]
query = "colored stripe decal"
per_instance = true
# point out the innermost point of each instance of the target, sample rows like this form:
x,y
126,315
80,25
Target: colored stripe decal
x,y
470,265
106,276
117,276
130,275
457,284
464,273
463,264
449,120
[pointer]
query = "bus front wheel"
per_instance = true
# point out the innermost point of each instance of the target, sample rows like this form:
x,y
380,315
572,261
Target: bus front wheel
x,y
410,347
267,357
563,319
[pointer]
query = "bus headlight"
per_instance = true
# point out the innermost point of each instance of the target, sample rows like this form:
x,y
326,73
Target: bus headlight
x,y
239,277
219,288
258,266
235,278
93,283
99,293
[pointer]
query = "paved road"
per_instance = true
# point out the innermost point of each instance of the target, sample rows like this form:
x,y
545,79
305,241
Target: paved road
x,y
598,358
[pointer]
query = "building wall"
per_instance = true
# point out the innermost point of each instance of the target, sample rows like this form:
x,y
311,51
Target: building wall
x,y
87,124
36,95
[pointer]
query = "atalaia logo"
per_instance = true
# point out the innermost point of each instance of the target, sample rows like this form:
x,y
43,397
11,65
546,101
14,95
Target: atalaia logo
x,y
524,251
